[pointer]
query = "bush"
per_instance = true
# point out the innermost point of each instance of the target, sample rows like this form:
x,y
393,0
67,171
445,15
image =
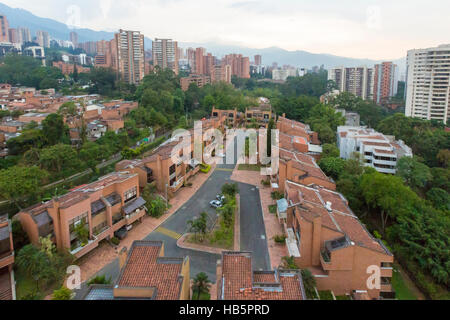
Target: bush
x,y
157,207
205,168
99,280
273,209
230,189
280,239
62,294
265,183
115,241
277,195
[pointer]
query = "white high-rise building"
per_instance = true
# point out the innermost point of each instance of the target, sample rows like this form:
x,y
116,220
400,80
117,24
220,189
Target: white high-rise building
x,y
24,35
428,83
359,80
43,39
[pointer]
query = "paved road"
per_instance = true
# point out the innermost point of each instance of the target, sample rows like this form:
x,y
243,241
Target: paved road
x,y
252,227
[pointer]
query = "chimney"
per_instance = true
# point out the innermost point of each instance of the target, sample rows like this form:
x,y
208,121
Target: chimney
x,y
328,206
123,257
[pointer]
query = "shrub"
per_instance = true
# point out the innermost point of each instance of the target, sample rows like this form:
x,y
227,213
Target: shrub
x,y
277,195
230,189
205,168
157,207
115,241
309,283
273,208
280,239
265,183
62,294
99,280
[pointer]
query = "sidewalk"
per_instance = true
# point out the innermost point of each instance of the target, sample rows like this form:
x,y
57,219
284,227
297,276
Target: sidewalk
x,y
273,227
94,261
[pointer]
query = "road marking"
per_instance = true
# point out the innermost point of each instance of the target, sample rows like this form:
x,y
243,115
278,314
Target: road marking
x,y
223,169
169,233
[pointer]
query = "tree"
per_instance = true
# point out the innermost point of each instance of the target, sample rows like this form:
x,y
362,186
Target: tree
x,y
199,225
330,151
440,198
157,207
414,173
309,283
332,166
36,264
230,189
444,158
68,109
61,159
62,294
54,129
201,284
18,183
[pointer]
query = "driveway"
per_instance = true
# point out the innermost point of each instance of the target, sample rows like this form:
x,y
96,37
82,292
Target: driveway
x,y
252,227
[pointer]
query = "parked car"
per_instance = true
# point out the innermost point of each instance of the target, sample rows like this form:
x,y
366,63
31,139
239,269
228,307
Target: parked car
x,y
220,197
121,233
216,204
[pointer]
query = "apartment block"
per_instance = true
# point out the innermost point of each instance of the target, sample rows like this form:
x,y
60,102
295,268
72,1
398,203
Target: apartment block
x,y
130,56
237,280
13,35
428,83
240,65
261,113
164,53
7,282
379,151
325,236
229,117
24,35
106,55
4,27
43,38
258,60
146,274
358,81
385,82
69,68
73,37
221,73
102,207
199,80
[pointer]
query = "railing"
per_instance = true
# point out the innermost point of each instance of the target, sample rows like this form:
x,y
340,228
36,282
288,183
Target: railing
x,y
326,256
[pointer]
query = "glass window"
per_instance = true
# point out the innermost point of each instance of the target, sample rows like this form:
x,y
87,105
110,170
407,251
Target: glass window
x,y
130,194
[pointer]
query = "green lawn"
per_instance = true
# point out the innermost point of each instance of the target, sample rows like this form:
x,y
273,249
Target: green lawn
x,y
249,167
26,286
203,296
401,289
325,295
343,298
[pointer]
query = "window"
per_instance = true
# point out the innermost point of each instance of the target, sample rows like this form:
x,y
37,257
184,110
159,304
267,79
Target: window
x,y
81,219
130,194
172,170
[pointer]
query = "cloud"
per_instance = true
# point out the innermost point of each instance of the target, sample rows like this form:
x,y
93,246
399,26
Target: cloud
x,y
378,29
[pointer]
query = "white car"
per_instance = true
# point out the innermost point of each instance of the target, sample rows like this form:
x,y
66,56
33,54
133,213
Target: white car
x,y
216,204
220,198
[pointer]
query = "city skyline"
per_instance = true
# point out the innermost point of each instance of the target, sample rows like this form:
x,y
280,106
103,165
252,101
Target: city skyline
x,y
372,30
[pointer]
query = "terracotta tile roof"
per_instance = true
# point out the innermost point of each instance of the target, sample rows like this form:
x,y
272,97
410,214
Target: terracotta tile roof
x,y
341,218
239,282
145,268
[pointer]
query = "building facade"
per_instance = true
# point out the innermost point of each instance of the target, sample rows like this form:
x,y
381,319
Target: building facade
x,y
377,150
4,29
43,39
130,56
385,82
428,83
7,283
101,208
165,53
358,81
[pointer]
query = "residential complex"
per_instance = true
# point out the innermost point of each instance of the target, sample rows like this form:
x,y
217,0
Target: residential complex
x,y
240,65
237,280
327,238
7,282
199,80
164,53
43,38
358,81
428,83
385,82
261,113
130,55
102,207
379,151
146,274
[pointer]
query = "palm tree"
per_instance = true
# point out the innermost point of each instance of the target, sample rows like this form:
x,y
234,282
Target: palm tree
x,y
201,284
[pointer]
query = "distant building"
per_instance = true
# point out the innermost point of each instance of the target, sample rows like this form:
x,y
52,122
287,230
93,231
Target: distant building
x,y
283,74
43,39
352,119
385,82
377,150
358,81
73,37
130,56
4,27
199,80
165,54
428,83
69,68
240,65
13,36
24,35
258,60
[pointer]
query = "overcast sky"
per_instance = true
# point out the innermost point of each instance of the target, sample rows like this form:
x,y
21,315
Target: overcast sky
x,y
376,29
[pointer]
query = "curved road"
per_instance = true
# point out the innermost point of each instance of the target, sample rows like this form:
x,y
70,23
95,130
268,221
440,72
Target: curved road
x,y
253,234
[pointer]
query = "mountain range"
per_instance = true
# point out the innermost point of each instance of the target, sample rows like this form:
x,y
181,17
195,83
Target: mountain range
x,y
23,18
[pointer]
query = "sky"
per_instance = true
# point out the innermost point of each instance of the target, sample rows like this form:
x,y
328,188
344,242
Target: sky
x,y
374,29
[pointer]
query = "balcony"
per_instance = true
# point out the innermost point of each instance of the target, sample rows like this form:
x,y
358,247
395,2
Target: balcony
x,y
325,257
6,259
177,184
292,244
